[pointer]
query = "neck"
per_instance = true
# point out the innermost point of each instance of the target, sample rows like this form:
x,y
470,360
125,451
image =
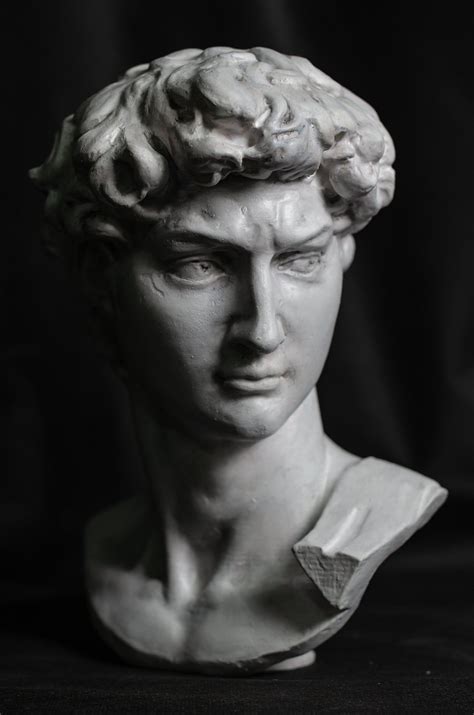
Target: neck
x,y
228,505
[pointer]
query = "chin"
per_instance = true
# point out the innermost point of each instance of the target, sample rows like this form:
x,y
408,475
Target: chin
x,y
249,424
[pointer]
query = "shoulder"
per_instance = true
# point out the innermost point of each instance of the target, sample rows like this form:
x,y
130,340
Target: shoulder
x,y
373,507
114,534
387,495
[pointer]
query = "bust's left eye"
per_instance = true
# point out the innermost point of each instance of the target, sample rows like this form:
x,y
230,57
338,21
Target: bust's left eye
x,y
196,270
302,263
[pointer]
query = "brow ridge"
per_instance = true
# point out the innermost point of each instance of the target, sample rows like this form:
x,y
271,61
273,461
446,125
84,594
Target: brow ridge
x,y
190,238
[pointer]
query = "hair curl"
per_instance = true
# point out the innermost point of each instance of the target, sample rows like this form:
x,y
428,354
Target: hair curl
x,y
194,117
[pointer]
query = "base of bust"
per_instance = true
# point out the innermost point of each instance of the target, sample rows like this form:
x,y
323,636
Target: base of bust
x,y
298,661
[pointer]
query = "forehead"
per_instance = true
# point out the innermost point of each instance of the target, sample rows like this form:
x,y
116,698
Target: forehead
x,y
249,212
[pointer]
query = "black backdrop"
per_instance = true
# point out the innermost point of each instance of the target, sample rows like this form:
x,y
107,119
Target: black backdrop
x,y
399,382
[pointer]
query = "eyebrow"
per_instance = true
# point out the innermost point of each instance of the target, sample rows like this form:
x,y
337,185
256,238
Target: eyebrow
x,y
182,237
327,228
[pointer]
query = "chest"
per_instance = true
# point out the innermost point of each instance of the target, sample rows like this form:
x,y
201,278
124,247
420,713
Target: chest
x,y
238,626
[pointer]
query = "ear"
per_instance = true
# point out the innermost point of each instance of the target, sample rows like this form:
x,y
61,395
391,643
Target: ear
x,y
347,249
97,260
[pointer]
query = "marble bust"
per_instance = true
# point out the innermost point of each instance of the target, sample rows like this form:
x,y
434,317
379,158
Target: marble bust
x,y
207,203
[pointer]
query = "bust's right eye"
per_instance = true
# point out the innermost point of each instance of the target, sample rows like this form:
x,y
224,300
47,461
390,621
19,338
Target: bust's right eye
x,y
196,269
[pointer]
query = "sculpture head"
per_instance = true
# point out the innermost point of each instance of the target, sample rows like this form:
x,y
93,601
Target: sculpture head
x,y
209,201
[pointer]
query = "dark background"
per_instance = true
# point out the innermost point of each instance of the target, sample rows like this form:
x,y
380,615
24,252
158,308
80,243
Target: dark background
x,y
399,382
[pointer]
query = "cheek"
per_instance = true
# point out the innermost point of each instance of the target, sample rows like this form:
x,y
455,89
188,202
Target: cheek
x,y
160,324
314,318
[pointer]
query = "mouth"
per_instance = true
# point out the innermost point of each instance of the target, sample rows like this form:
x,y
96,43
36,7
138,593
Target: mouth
x,y
251,382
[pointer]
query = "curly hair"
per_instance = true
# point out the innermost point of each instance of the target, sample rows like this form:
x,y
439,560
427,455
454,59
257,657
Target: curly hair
x,y
195,117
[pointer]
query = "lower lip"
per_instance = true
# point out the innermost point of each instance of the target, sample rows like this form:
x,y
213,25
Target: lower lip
x,y
265,384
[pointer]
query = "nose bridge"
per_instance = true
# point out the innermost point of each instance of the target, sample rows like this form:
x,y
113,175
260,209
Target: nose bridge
x,y
261,322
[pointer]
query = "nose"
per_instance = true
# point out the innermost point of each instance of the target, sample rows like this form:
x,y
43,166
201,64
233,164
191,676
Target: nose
x,y
257,322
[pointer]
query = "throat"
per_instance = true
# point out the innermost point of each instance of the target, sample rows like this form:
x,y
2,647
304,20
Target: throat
x,y
226,516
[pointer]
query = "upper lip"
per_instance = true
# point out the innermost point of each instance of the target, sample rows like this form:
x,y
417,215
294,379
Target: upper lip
x,y
250,374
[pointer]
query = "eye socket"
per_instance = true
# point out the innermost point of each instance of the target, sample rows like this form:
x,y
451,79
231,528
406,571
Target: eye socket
x,y
302,263
196,269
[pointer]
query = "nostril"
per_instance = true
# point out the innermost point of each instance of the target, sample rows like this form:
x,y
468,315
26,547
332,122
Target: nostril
x,y
264,336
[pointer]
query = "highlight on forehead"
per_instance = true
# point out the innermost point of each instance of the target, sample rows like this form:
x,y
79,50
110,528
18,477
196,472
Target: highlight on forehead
x,y
277,213
213,203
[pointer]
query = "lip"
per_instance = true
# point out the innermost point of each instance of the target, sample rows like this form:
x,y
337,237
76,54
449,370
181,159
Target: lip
x,y
251,382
